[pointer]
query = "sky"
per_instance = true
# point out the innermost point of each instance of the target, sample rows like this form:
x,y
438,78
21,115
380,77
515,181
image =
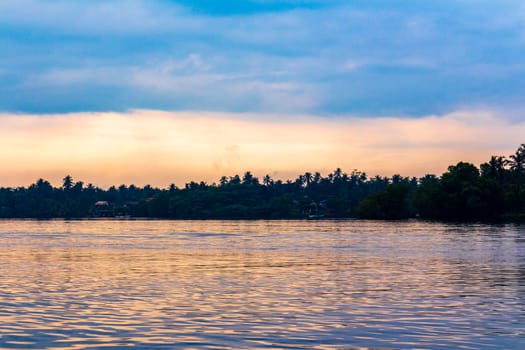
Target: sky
x,y
162,91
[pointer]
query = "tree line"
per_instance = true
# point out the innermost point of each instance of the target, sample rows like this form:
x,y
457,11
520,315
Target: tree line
x,y
494,191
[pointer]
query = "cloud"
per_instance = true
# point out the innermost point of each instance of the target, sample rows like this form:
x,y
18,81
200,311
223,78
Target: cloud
x,y
158,147
368,58
80,18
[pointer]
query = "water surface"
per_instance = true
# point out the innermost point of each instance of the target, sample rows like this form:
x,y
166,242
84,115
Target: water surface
x,y
261,284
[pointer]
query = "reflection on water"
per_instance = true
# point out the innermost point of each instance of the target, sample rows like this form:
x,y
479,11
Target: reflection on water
x,y
261,284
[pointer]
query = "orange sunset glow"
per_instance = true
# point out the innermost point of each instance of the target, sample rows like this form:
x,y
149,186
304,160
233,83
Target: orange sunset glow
x,y
175,147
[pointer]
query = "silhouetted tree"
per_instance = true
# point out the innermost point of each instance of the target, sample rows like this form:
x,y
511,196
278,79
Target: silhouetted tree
x,y
494,168
308,178
463,192
517,160
393,203
235,180
267,180
67,182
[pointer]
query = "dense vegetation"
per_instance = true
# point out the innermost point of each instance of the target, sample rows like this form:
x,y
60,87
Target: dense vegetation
x,y
494,191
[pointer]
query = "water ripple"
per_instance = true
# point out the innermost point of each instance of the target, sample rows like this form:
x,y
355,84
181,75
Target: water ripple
x,y
261,284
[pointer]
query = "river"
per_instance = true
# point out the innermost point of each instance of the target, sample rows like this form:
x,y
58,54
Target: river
x,y
261,284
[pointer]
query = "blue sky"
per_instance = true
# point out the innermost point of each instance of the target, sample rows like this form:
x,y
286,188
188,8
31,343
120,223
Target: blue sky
x,y
325,58
162,91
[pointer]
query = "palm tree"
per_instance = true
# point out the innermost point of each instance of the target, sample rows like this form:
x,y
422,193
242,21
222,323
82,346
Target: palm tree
x,y
308,178
223,181
248,178
357,177
517,166
495,168
317,177
235,180
517,160
338,173
267,180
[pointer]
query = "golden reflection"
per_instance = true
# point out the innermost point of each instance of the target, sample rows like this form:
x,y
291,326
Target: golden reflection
x,y
83,284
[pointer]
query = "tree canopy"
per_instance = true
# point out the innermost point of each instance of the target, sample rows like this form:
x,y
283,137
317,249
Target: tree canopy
x,y
494,191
